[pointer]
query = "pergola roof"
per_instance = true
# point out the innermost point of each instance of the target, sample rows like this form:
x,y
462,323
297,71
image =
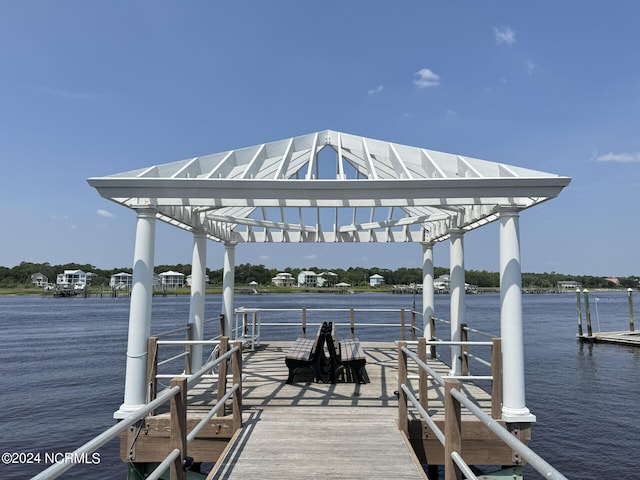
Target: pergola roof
x,y
329,187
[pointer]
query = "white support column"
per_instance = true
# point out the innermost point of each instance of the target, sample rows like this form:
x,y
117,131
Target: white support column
x,y
228,281
513,406
457,298
428,297
196,305
135,388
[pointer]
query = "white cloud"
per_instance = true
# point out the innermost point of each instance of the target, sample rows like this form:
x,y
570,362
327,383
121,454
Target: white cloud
x,y
504,35
622,157
104,213
531,67
378,89
426,78
264,257
313,256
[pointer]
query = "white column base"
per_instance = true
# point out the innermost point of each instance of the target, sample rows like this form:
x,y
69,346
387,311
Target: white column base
x,y
125,410
522,415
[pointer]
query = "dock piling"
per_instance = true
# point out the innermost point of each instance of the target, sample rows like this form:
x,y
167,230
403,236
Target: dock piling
x,y
630,299
579,312
587,312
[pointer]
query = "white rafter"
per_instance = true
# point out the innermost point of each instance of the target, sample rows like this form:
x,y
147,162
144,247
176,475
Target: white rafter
x,y
276,192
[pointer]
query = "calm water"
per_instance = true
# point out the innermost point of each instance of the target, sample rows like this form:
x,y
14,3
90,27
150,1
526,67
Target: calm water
x,y
62,373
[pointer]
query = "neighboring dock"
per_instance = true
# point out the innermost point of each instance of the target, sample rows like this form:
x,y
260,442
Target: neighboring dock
x,y
626,337
622,337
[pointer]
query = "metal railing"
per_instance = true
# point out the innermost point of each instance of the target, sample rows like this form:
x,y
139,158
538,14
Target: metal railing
x,y
176,395
454,399
249,322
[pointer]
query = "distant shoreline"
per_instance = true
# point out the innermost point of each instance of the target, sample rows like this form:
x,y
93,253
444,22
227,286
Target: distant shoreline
x,y
241,290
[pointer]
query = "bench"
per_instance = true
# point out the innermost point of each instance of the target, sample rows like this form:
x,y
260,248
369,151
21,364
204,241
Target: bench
x,y
347,357
306,353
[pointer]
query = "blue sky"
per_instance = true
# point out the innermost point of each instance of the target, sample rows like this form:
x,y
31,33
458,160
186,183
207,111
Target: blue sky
x,y
91,88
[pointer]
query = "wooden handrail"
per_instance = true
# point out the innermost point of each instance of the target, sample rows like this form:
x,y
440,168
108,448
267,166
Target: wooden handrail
x,y
222,373
178,434
423,391
432,327
152,367
496,383
464,358
189,349
236,365
413,325
403,420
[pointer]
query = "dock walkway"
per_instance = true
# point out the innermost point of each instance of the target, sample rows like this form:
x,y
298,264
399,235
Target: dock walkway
x,y
316,430
321,430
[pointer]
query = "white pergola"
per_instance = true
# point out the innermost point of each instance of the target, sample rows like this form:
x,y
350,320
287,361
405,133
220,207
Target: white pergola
x,y
331,187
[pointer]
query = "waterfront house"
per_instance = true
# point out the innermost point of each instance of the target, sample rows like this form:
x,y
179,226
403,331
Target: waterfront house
x,y
375,280
171,279
283,279
568,286
39,280
206,279
441,284
327,279
75,277
307,278
121,281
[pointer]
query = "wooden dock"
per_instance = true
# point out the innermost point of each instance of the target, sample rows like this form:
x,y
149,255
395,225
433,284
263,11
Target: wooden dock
x,y
320,430
625,337
316,430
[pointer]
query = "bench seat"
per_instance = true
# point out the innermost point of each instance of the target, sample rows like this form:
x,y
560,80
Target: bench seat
x,y
347,358
306,353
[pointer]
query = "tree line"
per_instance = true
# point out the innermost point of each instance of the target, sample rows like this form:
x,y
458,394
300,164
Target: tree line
x,y
20,275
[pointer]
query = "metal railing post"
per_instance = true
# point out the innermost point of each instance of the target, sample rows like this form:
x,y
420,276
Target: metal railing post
x,y
403,419
178,435
222,373
452,430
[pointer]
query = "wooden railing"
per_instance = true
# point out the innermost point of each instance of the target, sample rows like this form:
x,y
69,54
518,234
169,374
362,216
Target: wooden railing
x,y
454,400
176,396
